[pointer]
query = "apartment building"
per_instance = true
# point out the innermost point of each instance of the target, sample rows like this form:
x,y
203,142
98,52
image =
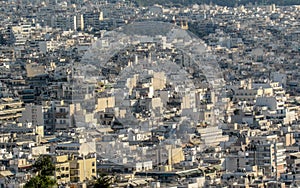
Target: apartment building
x,y
83,168
62,168
10,109
268,155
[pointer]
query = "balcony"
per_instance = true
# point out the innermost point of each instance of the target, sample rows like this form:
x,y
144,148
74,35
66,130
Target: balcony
x,y
61,114
11,111
74,172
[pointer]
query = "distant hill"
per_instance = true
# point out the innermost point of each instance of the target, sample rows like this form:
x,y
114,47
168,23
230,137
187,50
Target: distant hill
x,y
218,2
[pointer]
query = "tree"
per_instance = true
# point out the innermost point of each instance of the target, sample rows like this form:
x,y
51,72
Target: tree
x,y
40,181
44,166
103,181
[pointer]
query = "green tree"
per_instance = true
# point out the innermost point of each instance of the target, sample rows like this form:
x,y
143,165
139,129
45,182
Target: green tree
x,y
44,166
40,181
103,181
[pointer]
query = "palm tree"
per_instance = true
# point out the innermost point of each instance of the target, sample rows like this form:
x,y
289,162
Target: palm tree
x,y
103,181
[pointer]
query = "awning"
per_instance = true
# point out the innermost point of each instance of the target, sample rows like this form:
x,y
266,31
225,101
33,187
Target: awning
x,y
6,173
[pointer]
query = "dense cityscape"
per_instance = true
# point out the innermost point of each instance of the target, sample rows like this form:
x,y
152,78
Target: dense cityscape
x,y
124,93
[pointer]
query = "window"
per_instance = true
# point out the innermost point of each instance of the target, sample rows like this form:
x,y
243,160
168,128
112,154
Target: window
x,y
62,110
93,170
62,121
93,163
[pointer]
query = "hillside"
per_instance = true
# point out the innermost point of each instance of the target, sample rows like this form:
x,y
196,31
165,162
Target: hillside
x,y
218,2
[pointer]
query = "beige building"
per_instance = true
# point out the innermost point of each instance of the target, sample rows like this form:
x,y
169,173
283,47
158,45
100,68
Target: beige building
x,y
159,80
74,169
131,83
187,102
105,102
171,154
10,109
212,135
62,169
82,169
34,69
248,95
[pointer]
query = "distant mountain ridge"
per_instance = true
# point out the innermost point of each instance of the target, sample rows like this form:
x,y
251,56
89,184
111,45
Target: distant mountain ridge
x,y
230,3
